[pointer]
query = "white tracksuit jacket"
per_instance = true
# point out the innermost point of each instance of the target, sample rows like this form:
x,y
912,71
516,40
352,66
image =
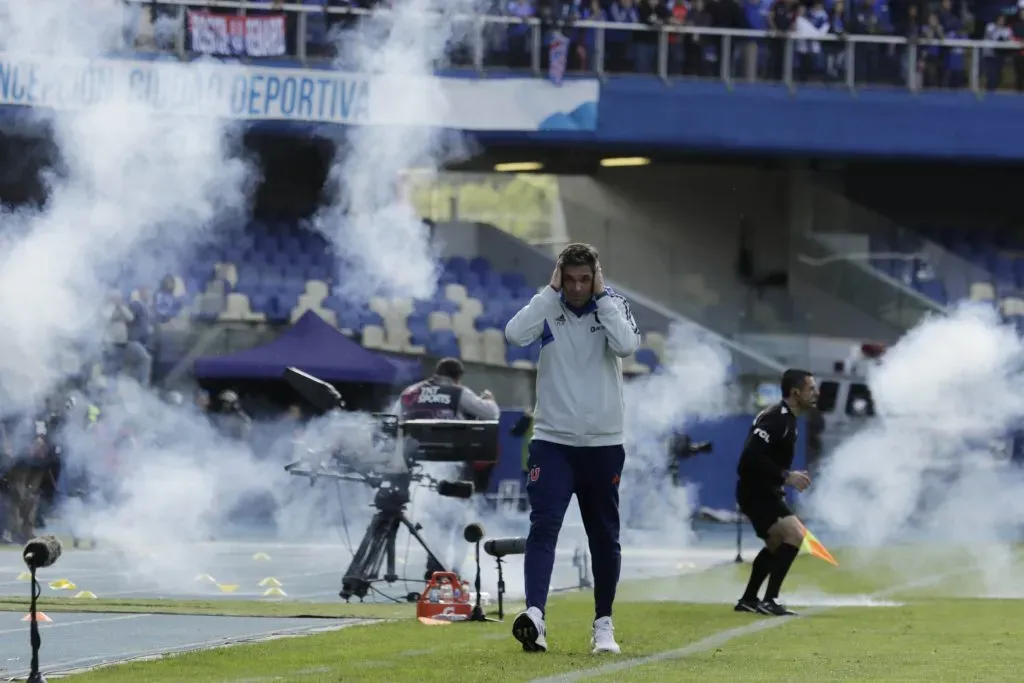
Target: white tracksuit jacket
x,y
579,375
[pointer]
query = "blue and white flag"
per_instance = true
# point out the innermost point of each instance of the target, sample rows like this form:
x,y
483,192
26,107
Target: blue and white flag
x,y
558,54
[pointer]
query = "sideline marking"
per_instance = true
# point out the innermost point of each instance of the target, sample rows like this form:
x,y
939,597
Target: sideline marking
x,y
86,664
723,637
79,622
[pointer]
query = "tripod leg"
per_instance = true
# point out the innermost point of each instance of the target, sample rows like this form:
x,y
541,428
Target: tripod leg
x,y
366,563
431,557
390,574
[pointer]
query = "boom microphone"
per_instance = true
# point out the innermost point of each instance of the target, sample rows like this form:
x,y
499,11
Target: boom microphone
x,y
500,547
455,489
41,552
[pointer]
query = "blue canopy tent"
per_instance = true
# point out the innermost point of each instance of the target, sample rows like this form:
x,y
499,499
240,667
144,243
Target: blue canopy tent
x,y
314,346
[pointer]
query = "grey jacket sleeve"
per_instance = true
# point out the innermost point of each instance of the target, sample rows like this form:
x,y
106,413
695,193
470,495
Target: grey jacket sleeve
x,y
474,406
527,325
619,326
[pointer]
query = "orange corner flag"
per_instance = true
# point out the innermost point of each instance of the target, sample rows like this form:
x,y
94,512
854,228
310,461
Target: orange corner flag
x,y
812,546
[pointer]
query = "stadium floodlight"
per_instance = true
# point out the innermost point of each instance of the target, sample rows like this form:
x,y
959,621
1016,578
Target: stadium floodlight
x,y
518,167
623,162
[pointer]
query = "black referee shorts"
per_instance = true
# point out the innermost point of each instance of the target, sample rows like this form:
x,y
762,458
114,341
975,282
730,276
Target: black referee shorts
x,y
763,506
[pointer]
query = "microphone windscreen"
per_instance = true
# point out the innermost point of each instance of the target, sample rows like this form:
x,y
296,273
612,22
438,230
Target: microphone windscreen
x,y
473,533
499,547
42,551
455,489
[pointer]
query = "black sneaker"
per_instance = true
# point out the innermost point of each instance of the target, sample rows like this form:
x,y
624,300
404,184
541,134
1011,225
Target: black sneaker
x,y
774,609
747,605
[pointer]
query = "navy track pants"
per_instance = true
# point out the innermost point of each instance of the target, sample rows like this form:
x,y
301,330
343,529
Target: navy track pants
x,y
555,473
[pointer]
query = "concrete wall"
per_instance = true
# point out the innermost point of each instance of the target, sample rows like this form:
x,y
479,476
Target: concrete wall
x,y
674,233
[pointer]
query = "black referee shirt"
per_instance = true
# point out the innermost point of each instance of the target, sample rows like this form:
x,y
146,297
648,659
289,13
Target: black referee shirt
x,y
769,449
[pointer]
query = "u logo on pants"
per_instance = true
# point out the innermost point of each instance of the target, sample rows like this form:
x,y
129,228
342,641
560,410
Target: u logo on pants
x,y
556,472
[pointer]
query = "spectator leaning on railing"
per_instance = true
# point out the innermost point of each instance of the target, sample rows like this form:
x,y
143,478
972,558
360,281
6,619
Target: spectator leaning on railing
x,y
653,14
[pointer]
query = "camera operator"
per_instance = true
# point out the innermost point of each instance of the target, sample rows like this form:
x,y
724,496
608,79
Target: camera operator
x,y
443,397
230,418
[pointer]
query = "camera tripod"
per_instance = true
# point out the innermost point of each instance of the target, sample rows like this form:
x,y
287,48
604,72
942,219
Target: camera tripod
x,y
378,544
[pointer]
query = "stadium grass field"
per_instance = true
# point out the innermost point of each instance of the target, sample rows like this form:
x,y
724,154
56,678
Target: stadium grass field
x,y
677,629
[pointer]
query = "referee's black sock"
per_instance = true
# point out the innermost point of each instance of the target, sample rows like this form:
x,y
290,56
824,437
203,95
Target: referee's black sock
x,y
784,556
758,573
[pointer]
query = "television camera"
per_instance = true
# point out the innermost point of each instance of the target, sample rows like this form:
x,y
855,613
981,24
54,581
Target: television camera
x,y
409,443
681,447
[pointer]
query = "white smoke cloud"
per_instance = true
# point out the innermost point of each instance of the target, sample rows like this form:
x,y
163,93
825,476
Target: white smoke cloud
x,y
933,464
128,178
692,386
375,228
133,187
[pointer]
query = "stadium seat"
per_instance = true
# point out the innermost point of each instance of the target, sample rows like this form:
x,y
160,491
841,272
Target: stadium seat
x,y
470,346
401,307
519,357
493,343
398,334
316,290
455,292
982,291
226,271
380,306
209,306
655,341
443,343
236,308
373,337
462,324
1012,306
647,358
472,307
439,321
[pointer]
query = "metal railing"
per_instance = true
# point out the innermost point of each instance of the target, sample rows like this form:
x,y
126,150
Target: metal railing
x,y
729,55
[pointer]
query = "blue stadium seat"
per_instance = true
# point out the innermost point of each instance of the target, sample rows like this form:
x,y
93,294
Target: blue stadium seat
x,y
471,281
485,322
649,358
418,325
446,306
492,280
279,309
457,265
514,281
259,302
443,343
423,307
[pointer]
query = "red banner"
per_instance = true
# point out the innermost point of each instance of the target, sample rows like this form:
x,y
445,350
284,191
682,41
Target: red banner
x,y
231,35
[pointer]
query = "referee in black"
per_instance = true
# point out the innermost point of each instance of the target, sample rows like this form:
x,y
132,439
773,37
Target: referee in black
x,y
764,470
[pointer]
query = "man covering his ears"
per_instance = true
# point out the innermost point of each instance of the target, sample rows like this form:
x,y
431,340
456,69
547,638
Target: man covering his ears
x,y
585,331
